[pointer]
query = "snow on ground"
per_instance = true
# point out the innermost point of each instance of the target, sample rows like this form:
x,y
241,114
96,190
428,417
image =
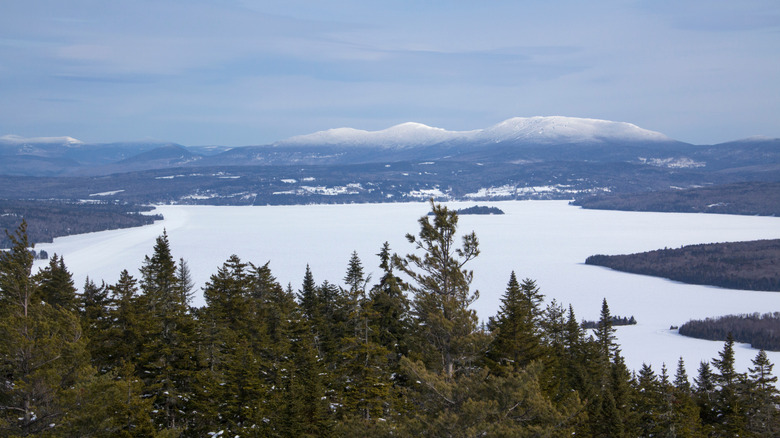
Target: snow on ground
x,y
113,192
547,241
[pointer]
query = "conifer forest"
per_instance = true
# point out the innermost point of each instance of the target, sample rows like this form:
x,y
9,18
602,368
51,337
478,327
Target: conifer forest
x,y
401,355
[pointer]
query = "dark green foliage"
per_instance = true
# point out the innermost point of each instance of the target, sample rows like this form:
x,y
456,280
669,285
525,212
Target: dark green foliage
x,y
516,341
477,209
441,287
735,265
761,331
132,361
56,285
49,219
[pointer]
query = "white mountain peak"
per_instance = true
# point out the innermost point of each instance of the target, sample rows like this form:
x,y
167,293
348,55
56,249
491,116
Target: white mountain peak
x,y
548,129
16,139
402,135
568,129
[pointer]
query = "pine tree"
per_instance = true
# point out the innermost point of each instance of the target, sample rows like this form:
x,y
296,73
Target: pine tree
x,y
441,287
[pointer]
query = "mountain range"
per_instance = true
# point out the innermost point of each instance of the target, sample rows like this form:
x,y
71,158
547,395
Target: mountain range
x,y
517,158
514,139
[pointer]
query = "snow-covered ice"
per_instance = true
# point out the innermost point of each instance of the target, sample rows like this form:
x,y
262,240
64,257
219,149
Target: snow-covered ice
x,y
547,241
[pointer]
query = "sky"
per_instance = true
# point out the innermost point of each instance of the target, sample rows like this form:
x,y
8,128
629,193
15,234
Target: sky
x,y
230,72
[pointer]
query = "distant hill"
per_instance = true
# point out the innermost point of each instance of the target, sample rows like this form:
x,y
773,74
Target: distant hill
x,y
756,198
520,158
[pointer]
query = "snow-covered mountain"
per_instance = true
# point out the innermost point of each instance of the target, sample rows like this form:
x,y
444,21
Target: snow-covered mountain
x,y
399,136
17,140
557,129
536,130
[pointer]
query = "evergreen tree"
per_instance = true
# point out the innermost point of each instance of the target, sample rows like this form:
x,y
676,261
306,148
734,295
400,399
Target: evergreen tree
x,y
307,296
729,408
168,360
515,343
231,390
704,395
42,352
95,321
121,345
56,285
605,332
681,381
390,310
762,398
441,287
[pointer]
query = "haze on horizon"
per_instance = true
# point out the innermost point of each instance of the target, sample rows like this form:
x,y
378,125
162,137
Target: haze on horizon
x,y
255,72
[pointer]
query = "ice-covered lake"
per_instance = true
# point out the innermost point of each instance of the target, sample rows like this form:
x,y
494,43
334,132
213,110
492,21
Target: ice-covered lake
x,y
547,241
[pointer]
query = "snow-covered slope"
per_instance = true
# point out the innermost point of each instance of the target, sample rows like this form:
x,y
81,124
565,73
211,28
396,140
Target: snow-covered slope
x,y
557,129
15,139
398,136
540,130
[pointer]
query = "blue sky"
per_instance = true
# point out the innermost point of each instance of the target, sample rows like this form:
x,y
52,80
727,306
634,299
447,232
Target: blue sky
x,y
232,72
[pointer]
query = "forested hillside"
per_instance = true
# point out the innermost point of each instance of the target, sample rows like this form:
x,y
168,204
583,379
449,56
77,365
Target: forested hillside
x,y
750,198
751,265
364,357
760,331
49,219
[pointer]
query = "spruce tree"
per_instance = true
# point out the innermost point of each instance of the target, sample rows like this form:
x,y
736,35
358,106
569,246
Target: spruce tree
x,y
515,341
390,310
762,398
729,402
43,356
56,285
168,358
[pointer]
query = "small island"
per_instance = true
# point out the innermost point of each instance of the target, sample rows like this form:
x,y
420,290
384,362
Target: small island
x,y
477,209
749,265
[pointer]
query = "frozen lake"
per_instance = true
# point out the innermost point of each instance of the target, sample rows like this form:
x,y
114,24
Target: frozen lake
x,y
547,241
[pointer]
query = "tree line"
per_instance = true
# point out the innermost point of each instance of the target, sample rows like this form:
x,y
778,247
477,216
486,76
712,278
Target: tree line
x,y
755,198
49,219
749,265
402,355
758,330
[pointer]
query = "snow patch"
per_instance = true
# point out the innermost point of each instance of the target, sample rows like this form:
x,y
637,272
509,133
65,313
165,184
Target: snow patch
x,y
113,192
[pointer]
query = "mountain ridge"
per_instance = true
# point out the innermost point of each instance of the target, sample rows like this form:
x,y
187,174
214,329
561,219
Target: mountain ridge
x,y
514,140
